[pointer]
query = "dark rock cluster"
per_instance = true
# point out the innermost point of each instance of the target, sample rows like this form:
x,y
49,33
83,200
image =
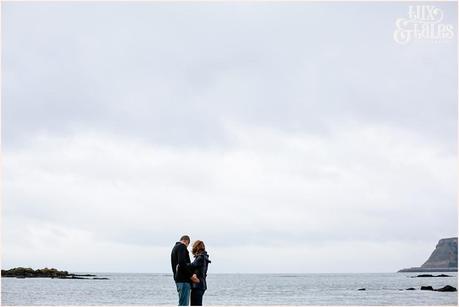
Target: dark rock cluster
x,y
430,275
21,272
429,288
447,288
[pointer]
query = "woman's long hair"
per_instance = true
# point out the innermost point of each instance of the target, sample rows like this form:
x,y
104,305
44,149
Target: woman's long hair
x,y
198,247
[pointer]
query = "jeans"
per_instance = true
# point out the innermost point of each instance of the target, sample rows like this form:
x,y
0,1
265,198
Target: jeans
x,y
183,289
196,297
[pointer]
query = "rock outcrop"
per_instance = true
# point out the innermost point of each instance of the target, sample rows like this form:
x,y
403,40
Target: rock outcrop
x,y
430,275
446,288
443,258
21,272
427,288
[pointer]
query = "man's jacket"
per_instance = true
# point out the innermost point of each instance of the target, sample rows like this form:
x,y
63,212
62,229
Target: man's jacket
x,y
180,261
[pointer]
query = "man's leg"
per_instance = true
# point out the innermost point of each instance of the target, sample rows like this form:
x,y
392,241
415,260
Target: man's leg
x,y
183,289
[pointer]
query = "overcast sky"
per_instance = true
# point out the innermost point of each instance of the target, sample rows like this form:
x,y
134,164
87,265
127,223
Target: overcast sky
x,y
295,137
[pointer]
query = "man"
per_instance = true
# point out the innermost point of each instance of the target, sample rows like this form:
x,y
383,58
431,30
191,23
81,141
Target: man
x,y
180,261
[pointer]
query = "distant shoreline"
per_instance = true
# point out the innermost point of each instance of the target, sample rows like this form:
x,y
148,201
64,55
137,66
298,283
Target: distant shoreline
x,y
98,273
425,270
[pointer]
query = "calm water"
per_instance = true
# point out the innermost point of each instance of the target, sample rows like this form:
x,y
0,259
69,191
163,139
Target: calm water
x,y
233,289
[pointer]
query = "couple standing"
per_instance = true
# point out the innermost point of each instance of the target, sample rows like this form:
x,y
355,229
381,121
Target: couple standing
x,y
190,277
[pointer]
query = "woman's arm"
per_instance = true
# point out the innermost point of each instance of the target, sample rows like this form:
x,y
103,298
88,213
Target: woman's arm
x,y
198,262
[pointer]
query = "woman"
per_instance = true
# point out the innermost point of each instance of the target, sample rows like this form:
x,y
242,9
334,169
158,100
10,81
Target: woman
x,y
199,267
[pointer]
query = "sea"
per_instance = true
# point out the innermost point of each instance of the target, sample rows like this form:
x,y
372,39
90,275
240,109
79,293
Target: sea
x,y
233,289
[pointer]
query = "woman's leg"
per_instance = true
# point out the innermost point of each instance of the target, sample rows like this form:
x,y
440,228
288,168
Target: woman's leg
x,y
193,301
196,297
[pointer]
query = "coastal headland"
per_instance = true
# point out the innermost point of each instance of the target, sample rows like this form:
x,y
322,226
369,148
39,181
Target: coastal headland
x,y
442,259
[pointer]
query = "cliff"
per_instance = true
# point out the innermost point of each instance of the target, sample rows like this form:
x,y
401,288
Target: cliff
x,y
444,255
442,259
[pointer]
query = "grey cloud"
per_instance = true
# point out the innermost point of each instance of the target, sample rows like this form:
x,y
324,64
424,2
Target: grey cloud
x,y
283,123
175,82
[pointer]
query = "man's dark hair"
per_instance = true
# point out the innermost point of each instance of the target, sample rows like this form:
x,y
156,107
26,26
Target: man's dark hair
x,y
185,238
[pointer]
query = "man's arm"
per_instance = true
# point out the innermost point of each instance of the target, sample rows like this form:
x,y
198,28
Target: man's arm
x,y
183,259
173,261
